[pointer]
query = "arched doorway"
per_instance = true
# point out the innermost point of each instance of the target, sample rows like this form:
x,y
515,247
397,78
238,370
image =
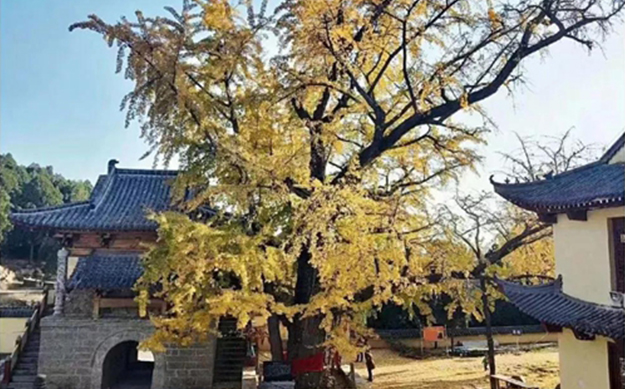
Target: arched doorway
x,y
124,367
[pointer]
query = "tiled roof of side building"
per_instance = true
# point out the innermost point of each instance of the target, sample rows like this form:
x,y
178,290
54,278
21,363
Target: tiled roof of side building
x,y
596,185
119,202
549,304
106,272
16,312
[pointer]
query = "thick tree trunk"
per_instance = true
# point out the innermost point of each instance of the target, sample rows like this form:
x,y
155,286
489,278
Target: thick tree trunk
x,y
489,335
275,340
305,335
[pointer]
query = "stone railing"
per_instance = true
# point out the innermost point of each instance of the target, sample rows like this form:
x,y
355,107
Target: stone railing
x,y
32,324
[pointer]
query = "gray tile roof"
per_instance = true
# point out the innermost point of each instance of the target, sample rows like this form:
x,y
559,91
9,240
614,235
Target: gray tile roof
x,y
119,202
592,186
106,272
16,311
549,304
596,185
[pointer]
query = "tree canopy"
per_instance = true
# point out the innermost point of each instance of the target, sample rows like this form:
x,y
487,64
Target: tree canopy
x,y
320,157
33,186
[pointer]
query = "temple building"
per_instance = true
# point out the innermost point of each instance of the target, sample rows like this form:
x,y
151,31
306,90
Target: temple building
x,y
91,339
586,207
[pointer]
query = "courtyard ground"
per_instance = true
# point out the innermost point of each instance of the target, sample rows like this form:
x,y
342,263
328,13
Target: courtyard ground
x,y
396,372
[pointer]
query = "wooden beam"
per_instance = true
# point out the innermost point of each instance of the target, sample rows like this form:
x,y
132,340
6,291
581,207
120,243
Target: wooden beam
x,y
580,215
550,218
552,328
111,302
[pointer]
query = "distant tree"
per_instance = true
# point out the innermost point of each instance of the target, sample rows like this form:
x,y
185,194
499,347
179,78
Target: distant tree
x,y
5,206
539,156
40,191
504,240
322,156
79,191
29,187
12,175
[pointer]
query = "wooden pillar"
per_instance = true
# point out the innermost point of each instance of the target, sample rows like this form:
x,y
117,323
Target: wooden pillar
x,y
96,307
61,277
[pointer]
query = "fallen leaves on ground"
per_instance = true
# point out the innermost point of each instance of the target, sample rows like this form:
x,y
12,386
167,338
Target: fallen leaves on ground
x,y
396,372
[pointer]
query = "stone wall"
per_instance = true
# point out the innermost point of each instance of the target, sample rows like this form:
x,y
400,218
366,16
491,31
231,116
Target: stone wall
x,y
73,350
79,303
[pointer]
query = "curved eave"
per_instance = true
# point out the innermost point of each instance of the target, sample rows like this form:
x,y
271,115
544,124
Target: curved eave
x,y
43,218
596,185
78,229
606,202
70,217
548,304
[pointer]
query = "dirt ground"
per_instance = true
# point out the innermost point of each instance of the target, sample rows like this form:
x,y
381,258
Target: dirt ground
x,y
396,372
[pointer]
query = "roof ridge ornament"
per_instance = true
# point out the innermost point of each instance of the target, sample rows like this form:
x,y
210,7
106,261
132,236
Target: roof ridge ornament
x,y
111,166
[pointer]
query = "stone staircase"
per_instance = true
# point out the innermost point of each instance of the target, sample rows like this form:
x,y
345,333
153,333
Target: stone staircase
x,y
25,371
229,357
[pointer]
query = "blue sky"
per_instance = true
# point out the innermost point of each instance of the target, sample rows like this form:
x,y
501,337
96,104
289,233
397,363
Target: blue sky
x,y
59,96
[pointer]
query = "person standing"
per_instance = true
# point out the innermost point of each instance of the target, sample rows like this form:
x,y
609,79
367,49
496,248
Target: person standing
x,y
369,363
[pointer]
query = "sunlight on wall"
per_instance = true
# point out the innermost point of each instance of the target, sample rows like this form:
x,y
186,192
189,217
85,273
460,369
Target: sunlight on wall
x,y
145,356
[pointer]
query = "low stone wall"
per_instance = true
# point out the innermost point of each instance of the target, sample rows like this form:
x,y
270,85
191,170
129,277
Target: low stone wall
x,y
502,339
72,353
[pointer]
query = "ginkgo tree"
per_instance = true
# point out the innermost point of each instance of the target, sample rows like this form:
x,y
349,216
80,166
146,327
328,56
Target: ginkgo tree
x,y
310,137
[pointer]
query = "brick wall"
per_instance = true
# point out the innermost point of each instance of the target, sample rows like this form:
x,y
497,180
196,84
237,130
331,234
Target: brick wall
x,y
72,354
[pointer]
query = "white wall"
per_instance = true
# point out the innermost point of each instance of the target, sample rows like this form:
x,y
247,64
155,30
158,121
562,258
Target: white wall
x,y
10,329
583,364
583,254
583,259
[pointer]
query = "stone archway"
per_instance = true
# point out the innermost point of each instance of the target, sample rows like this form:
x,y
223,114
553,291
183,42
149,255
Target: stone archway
x,y
114,347
122,368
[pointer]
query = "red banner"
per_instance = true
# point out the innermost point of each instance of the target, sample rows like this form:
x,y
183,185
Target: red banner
x,y
308,365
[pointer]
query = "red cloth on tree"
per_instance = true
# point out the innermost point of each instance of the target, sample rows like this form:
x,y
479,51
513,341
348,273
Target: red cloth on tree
x,y
308,365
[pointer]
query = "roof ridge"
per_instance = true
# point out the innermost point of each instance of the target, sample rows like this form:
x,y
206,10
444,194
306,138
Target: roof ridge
x,y
563,174
95,203
116,255
148,172
612,150
603,160
51,207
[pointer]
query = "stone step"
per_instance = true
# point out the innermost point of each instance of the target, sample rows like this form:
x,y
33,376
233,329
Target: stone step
x,y
28,361
23,378
21,385
19,370
26,365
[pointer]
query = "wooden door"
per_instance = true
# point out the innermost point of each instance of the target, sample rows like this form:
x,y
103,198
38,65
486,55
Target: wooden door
x,y
618,252
617,370
617,349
